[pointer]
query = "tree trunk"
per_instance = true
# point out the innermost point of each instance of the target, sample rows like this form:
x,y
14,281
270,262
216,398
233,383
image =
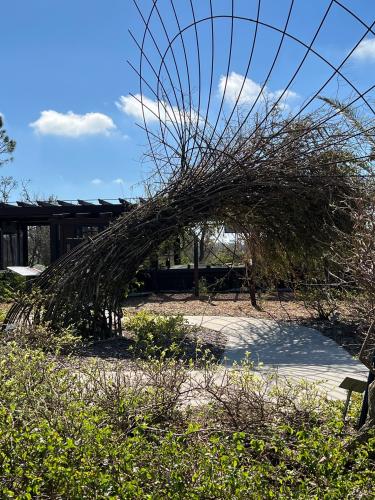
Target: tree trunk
x,y
251,283
253,296
196,267
202,246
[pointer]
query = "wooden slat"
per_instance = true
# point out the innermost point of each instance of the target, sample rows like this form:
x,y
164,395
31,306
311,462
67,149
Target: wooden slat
x,y
126,203
25,204
85,203
62,215
46,204
66,203
104,202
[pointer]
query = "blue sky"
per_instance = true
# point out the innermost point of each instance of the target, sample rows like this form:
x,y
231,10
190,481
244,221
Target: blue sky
x,y
65,84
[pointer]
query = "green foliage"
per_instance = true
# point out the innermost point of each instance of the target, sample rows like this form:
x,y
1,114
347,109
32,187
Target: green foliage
x,y
156,335
42,337
71,435
3,313
203,286
7,145
228,254
134,286
10,285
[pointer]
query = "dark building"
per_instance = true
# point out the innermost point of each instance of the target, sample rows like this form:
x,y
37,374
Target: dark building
x,y
69,223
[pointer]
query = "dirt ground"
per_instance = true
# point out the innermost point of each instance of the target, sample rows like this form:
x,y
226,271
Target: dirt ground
x,y
278,307
281,308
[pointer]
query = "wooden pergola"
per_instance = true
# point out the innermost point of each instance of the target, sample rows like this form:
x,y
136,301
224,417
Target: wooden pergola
x,y
69,221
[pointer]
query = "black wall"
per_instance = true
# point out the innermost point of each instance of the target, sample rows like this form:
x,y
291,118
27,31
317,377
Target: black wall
x,y
179,280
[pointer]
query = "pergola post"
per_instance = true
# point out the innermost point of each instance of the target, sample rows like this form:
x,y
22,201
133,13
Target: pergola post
x,y
54,241
1,247
25,246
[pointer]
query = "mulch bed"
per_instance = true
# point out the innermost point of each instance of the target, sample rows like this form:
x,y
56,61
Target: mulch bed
x,y
121,347
277,306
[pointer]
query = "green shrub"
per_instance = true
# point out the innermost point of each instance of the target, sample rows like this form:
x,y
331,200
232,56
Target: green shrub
x,y
42,337
203,286
3,313
10,285
157,335
90,430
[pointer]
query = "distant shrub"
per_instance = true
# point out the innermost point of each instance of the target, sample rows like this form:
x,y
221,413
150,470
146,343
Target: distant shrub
x,y
322,299
3,313
203,286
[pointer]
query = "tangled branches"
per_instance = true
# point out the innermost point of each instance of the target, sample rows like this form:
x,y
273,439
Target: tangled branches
x,y
268,172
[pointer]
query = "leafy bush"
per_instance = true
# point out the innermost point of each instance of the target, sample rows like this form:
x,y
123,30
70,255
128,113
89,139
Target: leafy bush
x,y
3,313
74,430
42,337
156,335
10,285
203,286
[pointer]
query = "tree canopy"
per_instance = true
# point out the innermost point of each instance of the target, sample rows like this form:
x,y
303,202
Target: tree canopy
x,y
7,145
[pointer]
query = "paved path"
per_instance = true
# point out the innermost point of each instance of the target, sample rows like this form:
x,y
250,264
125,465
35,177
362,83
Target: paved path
x,y
297,351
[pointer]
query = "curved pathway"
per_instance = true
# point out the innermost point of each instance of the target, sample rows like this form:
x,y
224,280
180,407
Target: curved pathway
x,y
296,351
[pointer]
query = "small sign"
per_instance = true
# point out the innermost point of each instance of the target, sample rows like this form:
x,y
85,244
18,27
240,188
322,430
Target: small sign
x,y
353,385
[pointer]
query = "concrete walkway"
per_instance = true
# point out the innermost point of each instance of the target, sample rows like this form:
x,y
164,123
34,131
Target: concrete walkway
x,y
296,351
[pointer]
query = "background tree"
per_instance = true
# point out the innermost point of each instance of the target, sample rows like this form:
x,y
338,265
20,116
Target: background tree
x,y
7,145
7,185
39,251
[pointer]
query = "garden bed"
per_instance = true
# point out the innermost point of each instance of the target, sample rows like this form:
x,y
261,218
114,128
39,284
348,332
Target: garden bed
x,y
278,307
122,347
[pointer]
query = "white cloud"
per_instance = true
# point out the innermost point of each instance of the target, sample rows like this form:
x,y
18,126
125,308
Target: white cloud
x,y
284,94
118,181
72,125
132,106
232,87
96,182
247,91
365,50
153,110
